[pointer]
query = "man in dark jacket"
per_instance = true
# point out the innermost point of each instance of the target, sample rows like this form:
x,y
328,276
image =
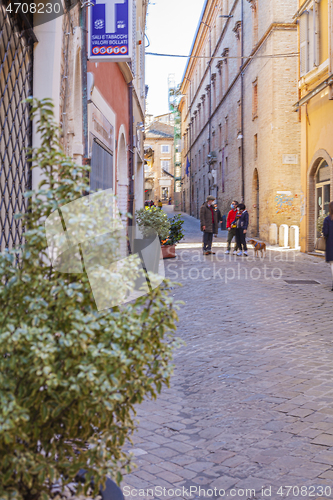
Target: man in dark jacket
x,y
208,224
328,234
242,224
218,212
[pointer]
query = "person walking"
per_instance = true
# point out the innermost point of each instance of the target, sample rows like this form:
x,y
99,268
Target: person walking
x,y
169,202
241,229
218,213
208,224
160,204
231,226
328,234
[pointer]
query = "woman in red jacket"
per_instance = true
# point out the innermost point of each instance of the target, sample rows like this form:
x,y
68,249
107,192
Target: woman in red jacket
x,y
230,226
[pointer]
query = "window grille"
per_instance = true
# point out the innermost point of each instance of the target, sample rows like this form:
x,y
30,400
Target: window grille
x,y
16,52
101,175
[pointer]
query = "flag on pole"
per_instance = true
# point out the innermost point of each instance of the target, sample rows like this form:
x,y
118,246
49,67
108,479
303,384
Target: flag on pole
x,y
187,171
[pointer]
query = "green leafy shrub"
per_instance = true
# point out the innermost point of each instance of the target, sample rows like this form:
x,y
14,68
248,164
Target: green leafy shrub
x,y
176,230
153,220
69,375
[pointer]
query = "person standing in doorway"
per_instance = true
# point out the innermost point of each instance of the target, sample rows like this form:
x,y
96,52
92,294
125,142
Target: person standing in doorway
x,y
328,234
241,229
231,226
209,224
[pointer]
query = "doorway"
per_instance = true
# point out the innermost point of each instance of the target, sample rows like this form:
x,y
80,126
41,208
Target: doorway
x,y
256,202
323,198
165,194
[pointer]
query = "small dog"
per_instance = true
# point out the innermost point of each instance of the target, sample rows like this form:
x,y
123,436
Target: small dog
x,y
259,246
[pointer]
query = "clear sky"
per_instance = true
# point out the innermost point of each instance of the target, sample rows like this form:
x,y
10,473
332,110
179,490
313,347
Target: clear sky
x,y
171,26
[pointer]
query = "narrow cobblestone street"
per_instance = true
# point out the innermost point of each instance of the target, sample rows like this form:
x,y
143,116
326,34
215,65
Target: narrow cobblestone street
x,y
251,400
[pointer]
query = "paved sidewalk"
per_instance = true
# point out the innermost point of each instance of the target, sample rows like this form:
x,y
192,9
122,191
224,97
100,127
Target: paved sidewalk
x,y
251,401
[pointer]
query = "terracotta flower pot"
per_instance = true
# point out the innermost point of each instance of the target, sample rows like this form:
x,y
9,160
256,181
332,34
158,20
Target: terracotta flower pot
x,y
168,251
321,244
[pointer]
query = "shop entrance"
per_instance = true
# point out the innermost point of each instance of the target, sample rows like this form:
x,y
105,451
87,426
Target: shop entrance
x,y
323,181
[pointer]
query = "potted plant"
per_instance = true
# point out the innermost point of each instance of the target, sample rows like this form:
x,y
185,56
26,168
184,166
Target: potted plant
x,y
71,375
321,242
175,235
151,221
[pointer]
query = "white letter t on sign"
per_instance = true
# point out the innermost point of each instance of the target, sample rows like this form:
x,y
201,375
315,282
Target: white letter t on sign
x,y
110,14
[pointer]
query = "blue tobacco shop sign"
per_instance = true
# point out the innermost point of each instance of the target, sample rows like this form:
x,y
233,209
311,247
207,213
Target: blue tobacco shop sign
x,y
110,30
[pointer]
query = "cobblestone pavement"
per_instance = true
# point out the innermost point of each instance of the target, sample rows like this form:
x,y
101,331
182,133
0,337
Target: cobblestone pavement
x,y
251,401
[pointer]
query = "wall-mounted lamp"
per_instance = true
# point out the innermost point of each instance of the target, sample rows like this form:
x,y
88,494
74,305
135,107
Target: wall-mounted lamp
x,y
240,136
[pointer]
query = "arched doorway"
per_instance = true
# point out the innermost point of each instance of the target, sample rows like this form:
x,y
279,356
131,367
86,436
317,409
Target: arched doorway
x,y
319,194
323,188
255,197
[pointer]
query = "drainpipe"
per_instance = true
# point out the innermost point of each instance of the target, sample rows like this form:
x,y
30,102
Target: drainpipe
x,y
83,25
131,157
242,97
190,130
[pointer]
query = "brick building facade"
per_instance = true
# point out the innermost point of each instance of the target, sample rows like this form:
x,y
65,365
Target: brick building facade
x,y
239,132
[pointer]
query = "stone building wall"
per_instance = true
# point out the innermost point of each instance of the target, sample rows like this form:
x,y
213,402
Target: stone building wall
x,y
70,101
276,126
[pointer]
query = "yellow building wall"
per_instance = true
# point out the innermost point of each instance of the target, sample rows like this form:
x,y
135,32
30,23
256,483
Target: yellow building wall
x,y
317,133
304,185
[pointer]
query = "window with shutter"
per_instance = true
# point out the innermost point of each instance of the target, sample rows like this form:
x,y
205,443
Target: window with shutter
x,y
303,34
316,29
309,39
